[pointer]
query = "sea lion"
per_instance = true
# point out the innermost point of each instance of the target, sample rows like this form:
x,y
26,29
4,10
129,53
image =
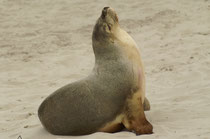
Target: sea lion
x,y
111,97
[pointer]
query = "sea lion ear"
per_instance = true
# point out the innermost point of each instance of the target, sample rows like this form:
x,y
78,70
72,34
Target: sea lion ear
x,y
116,18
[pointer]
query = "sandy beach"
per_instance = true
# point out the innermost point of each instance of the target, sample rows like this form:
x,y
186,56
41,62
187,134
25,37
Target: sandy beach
x,y
47,44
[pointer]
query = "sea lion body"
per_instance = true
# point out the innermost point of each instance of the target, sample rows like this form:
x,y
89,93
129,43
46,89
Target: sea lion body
x,y
111,96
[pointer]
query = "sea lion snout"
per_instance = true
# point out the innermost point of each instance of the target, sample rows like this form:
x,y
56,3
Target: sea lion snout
x,y
104,12
109,12
105,8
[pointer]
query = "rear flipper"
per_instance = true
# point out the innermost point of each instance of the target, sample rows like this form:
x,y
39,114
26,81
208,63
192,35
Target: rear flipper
x,y
146,104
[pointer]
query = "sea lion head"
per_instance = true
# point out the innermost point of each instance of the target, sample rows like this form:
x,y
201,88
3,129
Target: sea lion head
x,y
105,25
109,16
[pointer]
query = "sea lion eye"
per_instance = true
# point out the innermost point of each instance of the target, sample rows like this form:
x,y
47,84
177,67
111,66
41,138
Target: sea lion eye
x,y
106,28
109,26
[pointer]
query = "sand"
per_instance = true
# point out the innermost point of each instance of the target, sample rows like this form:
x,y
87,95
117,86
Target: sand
x,y
47,44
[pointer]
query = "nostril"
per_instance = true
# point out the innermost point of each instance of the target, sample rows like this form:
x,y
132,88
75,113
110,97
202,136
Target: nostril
x,y
105,8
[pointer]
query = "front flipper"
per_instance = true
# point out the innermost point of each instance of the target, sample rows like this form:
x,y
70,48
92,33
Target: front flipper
x,y
146,104
135,119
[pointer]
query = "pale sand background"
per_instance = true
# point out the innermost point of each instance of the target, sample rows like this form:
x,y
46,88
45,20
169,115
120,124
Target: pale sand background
x,y
46,44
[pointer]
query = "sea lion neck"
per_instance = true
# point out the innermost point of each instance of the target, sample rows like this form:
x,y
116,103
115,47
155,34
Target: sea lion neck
x,y
106,51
